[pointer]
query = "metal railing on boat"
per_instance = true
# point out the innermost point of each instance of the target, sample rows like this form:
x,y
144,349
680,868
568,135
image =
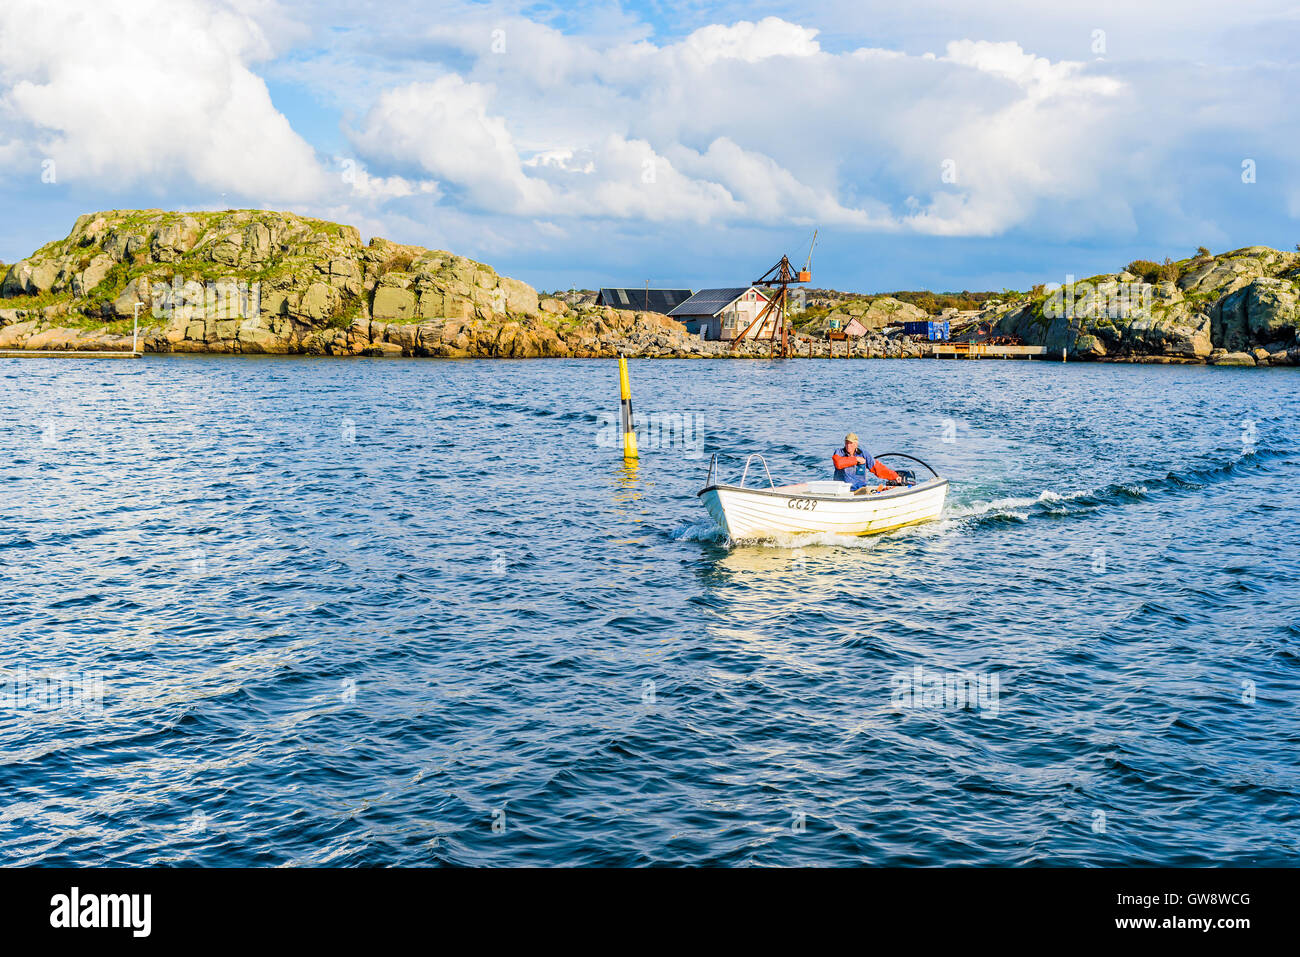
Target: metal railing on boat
x,y
752,456
711,477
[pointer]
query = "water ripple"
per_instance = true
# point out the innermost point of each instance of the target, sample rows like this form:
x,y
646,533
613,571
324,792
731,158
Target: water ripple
x,y
355,612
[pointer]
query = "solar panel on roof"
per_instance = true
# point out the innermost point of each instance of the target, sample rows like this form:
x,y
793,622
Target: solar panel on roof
x,y
651,300
708,302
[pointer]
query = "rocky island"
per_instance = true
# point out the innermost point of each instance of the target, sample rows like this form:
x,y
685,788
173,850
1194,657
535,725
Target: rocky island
x,y
1237,308
272,283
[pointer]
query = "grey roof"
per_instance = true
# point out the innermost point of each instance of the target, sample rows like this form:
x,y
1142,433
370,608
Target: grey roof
x,y
709,302
653,300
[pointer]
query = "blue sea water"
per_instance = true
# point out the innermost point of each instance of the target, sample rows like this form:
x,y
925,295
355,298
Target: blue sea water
x,y
367,612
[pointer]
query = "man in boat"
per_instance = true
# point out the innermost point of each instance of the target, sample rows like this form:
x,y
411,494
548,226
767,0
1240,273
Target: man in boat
x,y
852,465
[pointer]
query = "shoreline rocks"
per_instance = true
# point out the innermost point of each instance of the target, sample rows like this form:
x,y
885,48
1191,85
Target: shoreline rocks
x,y
256,282
1244,304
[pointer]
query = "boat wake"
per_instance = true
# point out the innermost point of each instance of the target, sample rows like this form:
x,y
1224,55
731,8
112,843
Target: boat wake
x,y
702,531
1050,504
1047,503
814,538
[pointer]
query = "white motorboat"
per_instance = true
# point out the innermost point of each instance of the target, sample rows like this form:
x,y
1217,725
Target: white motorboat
x,y
826,507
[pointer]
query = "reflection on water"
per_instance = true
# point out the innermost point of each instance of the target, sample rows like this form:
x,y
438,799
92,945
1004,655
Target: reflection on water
x,y
630,491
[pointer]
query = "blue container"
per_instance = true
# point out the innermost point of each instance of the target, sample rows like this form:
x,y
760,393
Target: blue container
x,y
934,331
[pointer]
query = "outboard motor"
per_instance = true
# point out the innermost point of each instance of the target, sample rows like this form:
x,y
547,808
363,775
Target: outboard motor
x,y
906,477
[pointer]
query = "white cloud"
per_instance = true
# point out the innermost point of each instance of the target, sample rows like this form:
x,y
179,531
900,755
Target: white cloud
x,y
148,91
558,127
749,42
1012,152
770,193
561,160
445,127
771,122
448,129
1037,75
381,188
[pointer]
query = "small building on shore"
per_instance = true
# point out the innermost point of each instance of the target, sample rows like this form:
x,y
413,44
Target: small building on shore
x,y
853,329
725,313
663,301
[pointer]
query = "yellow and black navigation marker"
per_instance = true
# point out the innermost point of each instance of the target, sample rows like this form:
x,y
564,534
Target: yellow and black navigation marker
x,y
625,392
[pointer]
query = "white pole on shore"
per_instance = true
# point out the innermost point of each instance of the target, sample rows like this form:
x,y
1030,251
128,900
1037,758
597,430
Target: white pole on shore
x,y
1062,353
135,327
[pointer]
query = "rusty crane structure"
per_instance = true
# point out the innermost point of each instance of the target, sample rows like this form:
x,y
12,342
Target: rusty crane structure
x,y
779,278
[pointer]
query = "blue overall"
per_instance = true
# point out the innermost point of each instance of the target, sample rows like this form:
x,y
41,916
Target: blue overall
x,y
856,477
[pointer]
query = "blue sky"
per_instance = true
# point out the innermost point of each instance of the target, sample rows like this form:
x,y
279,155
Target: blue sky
x,y
936,144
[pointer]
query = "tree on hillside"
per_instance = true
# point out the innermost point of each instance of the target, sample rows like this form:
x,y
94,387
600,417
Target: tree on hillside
x,y
1144,269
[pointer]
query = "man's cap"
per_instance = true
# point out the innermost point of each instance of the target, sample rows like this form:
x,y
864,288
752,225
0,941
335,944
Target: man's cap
x,y
851,437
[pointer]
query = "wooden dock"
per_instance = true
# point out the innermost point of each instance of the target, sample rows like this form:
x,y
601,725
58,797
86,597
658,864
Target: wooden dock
x,y
65,354
976,350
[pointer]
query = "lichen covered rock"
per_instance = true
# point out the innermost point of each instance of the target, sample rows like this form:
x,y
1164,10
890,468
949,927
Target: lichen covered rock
x,y
248,281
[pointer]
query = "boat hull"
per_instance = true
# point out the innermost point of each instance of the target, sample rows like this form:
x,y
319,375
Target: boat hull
x,y
747,513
